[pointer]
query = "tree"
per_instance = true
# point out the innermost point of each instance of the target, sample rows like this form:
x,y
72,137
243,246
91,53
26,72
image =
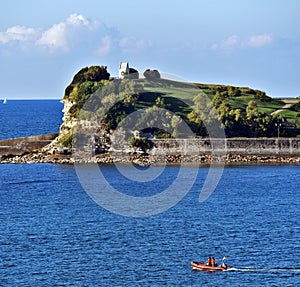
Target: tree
x,y
93,74
175,123
151,74
203,107
133,74
237,114
223,111
160,102
252,110
233,91
196,124
203,115
259,95
142,143
218,99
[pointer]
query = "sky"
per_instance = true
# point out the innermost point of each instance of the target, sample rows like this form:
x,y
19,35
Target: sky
x,y
252,43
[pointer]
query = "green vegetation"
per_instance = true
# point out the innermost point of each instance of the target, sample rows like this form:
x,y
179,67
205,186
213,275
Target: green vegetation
x,y
241,111
84,84
66,141
142,143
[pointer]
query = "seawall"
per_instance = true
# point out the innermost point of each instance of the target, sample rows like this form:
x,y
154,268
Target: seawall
x,y
241,146
167,151
19,146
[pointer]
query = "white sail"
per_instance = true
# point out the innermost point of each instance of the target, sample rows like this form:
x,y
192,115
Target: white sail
x,y
5,101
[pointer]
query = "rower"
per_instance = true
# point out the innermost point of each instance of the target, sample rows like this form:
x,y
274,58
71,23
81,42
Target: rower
x,y
223,264
208,263
213,262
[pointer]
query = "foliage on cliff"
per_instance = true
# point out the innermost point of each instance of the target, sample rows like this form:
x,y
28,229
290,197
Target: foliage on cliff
x,y
242,111
84,84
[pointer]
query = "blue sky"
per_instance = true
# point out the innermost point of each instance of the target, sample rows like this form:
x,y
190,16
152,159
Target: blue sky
x,y
244,43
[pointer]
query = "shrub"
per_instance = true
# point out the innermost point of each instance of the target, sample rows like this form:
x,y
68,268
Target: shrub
x,y
67,140
93,74
142,143
296,107
151,74
68,90
233,92
133,74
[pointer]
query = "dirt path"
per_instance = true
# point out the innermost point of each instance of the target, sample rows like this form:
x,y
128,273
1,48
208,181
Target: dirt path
x,y
288,104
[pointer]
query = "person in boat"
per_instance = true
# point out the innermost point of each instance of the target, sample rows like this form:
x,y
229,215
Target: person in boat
x,y
223,264
208,263
213,262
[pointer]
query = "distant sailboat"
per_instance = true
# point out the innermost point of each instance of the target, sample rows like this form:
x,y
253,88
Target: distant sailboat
x,y
5,101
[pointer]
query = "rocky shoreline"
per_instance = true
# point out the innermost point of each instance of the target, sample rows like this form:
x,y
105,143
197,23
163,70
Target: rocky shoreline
x,y
148,160
239,151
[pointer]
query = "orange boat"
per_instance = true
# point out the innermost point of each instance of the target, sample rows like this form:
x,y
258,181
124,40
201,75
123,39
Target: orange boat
x,y
203,267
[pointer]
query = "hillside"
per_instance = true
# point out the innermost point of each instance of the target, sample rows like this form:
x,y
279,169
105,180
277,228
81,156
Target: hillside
x,y
243,111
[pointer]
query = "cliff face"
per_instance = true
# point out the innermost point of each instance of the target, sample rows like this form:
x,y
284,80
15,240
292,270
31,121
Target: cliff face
x,y
69,120
83,85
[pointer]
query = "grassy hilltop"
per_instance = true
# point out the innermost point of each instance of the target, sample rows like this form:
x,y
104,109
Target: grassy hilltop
x,y
243,111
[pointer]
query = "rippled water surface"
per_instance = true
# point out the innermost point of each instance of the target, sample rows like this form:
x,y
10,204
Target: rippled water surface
x,y
53,234
20,118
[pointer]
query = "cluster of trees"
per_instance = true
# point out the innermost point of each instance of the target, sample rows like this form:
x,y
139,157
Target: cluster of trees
x,y
165,117
133,74
148,74
247,122
142,143
92,74
152,74
124,97
89,79
84,84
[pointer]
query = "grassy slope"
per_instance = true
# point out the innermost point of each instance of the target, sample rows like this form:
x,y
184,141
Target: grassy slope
x,y
187,92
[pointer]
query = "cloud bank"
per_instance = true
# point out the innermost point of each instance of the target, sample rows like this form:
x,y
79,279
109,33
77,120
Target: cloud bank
x,y
17,33
70,34
235,42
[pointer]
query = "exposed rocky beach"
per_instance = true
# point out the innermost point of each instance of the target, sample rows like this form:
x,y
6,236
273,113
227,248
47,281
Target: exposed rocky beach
x,y
148,159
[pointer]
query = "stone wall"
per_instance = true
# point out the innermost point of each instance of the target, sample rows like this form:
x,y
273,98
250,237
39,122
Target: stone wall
x,y
241,146
18,146
170,151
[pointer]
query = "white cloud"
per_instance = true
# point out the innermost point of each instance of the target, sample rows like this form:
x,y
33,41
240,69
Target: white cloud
x,y
260,40
77,20
55,37
58,35
228,44
17,33
74,34
234,42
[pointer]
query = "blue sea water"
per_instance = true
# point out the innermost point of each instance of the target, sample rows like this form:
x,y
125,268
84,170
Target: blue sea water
x,y
53,234
20,118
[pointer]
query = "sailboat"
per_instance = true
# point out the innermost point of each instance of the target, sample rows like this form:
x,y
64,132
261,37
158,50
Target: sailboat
x,y
5,101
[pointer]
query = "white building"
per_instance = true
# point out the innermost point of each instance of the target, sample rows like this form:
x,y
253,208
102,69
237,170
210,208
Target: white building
x,y
123,69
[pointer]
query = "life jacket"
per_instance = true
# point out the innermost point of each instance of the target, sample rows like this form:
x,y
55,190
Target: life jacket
x,y
213,262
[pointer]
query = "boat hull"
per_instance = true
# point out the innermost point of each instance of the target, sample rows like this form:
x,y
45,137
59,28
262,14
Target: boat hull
x,y
203,267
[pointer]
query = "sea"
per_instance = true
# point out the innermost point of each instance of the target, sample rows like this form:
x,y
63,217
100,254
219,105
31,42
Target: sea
x,y
54,233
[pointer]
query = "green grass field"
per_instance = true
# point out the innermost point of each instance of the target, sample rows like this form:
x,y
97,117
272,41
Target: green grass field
x,y
187,91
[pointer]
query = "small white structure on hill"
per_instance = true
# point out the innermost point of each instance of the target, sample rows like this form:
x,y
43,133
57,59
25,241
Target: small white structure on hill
x,y
123,69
